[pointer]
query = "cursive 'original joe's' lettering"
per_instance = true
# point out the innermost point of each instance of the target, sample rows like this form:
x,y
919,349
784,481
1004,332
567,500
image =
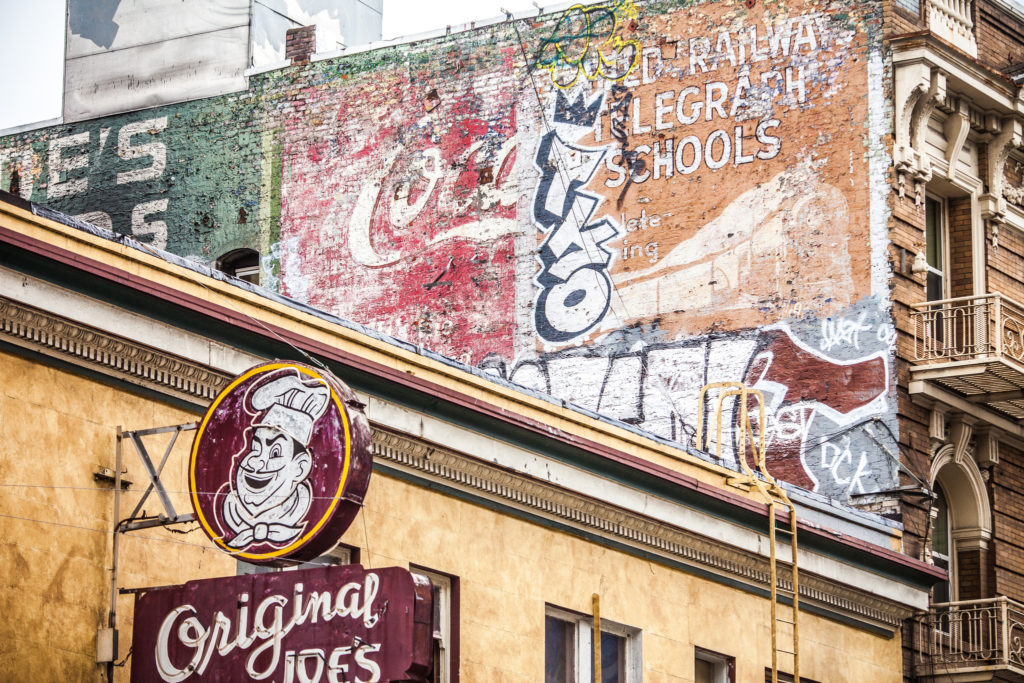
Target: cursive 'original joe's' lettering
x,y
268,628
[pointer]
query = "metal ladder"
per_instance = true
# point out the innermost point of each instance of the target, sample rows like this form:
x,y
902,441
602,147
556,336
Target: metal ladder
x,y
773,495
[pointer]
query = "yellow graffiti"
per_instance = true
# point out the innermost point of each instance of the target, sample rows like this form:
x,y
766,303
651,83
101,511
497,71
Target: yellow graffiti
x,y
586,41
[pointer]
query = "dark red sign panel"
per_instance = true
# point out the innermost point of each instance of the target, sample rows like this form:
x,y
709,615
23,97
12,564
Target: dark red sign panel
x,y
324,625
280,464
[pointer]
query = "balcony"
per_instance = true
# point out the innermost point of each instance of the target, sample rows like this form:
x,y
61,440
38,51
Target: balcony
x,y
951,21
972,640
974,347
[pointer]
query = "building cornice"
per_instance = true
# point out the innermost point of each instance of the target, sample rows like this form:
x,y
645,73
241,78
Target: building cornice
x,y
177,314
677,546
88,347
268,319
990,89
59,337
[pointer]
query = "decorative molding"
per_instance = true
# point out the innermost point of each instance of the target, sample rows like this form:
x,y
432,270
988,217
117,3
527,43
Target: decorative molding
x,y
920,88
967,495
59,337
960,433
439,464
993,203
32,328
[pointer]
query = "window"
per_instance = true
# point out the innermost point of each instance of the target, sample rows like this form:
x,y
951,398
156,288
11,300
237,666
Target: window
x,y
446,614
911,7
935,248
340,554
941,554
784,677
961,526
241,263
712,667
569,650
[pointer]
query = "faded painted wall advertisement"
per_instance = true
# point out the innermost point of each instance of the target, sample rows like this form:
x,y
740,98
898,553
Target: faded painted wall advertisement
x,y
408,224
615,204
719,168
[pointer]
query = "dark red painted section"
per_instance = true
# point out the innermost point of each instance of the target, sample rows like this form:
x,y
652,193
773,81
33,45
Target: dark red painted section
x,y
289,626
308,491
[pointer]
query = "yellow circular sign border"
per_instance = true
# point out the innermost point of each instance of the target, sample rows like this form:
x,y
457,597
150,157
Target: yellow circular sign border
x,y
269,367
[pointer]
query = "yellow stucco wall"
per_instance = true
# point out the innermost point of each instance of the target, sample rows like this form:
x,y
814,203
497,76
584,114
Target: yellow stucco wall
x,y
55,519
60,426
509,569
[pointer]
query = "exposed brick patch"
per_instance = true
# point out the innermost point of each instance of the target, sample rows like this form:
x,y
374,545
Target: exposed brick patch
x,y
299,44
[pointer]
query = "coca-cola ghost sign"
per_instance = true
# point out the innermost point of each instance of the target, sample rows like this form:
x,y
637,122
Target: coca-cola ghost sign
x,y
280,464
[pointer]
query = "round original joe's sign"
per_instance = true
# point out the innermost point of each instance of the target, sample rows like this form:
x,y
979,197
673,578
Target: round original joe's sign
x,y
280,464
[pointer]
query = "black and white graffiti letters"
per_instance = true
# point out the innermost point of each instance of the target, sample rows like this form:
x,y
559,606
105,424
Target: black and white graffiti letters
x,y
575,287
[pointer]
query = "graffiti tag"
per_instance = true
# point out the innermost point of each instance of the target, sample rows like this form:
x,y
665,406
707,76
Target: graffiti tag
x,y
586,41
575,287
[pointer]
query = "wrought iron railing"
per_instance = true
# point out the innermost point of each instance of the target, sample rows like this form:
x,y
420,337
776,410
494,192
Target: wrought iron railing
x,y
968,328
970,634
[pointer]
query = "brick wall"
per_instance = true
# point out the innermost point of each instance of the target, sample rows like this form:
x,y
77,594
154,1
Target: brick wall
x,y
299,44
973,575
1006,264
699,209
1008,522
961,266
907,239
899,19
1000,36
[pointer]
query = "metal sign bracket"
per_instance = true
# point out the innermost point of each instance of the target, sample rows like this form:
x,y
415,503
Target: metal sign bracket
x,y
156,484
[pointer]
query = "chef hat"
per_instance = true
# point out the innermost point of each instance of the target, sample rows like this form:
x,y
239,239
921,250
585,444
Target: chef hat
x,y
291,404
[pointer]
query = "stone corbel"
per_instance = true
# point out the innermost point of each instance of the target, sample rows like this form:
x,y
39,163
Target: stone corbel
x,y
993,222
937,428
957,126
919,89
993,203
986,447
961,429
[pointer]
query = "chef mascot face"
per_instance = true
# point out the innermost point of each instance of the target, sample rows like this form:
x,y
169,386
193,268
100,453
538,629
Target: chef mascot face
x,y
270,493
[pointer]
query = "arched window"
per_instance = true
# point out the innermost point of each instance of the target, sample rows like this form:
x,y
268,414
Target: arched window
x,y
941,550
242,263
961,521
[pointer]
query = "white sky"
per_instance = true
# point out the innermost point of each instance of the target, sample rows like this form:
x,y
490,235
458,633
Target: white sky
x,y
32,46
31,60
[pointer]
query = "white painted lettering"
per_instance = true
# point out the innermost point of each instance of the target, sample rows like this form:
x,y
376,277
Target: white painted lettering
x,y
60,164
157,151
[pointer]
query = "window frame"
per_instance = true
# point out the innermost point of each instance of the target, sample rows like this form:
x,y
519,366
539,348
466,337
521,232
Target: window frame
x,y
942,271
784,677
583,634
949,557
231,262
445,633
724,665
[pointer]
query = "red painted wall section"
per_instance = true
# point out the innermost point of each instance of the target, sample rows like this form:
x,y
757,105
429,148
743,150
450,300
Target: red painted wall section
x,y
400,211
